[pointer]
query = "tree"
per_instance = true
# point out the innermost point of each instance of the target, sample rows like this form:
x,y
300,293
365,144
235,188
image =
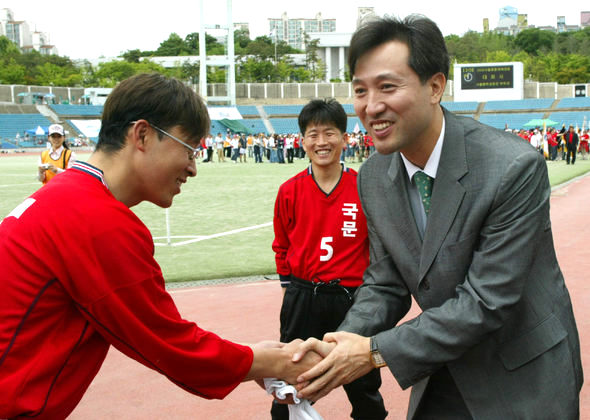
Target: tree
x,y
11,72
173,46
535,41
132,56
7,47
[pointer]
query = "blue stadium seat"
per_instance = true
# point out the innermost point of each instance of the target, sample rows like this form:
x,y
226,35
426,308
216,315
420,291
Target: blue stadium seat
x,y
460,106
574,103
521,104
11,124
514,121
352,122
285,125
81,110
282,109
575,118
248,110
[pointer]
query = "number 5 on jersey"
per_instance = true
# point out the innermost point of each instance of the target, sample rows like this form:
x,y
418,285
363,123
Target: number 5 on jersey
x,y
326,248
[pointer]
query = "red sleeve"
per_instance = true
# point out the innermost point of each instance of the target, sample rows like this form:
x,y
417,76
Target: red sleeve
x,y
281,243
125,300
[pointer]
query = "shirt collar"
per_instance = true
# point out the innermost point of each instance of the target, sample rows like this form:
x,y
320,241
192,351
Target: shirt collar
x,y
90,170
431,166
56,151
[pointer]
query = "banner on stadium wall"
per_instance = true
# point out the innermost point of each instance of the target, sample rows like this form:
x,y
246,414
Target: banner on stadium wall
x,y
224,113
483,82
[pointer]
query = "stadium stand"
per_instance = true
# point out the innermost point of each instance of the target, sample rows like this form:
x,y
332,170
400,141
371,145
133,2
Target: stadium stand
x,y
351,123
248,110
460,106
282,119
255,125
574,103
514,121
11,124
523,104
284,125
349,108
575,118
282,109
77,110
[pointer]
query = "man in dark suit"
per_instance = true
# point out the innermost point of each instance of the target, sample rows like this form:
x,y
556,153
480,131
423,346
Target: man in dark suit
x,y
571,140
458,218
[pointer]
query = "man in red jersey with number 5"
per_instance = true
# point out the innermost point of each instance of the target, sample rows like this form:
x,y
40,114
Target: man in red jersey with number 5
x,y
321,246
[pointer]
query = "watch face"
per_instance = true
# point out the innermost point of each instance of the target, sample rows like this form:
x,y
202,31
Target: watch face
x,y
377,359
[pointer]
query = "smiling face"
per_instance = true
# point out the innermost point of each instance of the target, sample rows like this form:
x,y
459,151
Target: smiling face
x,y
169,165
56,140
323,144
396,108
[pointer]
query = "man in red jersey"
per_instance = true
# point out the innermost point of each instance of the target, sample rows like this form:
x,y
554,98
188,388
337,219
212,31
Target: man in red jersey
x,y
321,246
73,286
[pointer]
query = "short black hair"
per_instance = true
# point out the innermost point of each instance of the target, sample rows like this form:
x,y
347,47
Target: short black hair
x,y
163,101
426,44
322,111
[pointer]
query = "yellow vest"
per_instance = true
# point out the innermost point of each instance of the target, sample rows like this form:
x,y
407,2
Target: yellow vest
x,y
61,162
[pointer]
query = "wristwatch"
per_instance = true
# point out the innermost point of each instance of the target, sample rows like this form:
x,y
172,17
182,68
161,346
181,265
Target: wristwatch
x,y
376,359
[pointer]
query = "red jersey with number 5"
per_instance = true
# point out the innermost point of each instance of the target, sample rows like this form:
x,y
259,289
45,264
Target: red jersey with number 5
x,y
320,236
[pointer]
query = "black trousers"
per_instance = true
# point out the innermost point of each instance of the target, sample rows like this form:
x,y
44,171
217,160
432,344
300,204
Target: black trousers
x,y
571,151
311,310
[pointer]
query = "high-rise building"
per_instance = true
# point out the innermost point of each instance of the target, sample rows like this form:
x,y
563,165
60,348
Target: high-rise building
x,y
293,31
365,14
584,19
18,32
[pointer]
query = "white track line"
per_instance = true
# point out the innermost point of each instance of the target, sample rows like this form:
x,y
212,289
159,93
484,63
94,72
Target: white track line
x,y
217,235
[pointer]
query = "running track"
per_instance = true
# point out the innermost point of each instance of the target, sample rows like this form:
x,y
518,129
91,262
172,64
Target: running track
x,y
248,312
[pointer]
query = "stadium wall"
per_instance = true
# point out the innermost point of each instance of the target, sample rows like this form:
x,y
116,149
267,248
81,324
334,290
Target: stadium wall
x,y
284,93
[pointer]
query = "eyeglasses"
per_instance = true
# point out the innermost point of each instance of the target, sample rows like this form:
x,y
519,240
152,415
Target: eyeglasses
x,y
193,152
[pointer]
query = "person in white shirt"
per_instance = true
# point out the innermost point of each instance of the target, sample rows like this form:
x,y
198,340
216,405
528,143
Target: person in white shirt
x,y
537,140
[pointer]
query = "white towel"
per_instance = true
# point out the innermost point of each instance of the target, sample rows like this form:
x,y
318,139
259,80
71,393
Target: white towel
x,y
301,410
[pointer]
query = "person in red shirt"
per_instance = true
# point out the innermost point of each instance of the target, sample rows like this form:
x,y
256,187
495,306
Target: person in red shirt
x,y
584,149
552,142
73,286
571,140
321,246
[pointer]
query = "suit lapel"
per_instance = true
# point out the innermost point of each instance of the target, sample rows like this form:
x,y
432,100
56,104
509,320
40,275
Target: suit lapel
x,y
400,210
447,192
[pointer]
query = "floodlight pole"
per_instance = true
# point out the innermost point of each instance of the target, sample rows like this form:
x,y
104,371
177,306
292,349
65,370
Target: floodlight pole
x,y
228,61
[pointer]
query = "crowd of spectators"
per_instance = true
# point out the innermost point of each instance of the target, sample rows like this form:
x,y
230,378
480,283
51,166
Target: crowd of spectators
x,y
274,148
557,144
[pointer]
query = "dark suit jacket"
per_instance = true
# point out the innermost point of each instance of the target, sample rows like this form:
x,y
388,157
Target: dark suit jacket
x,y
575,139
496,310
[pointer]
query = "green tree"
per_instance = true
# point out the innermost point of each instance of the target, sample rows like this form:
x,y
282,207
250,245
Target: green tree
x,y
7,47
173,46
132,56
11,72
535,41
574,69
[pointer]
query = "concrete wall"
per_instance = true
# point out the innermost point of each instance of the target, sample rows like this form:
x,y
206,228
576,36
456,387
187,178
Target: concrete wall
x,y
286,93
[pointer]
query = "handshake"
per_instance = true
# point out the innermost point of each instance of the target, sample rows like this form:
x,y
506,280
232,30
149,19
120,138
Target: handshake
x,y
313,366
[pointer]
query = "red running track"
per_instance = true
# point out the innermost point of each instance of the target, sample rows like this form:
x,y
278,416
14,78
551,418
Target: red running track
x,y
249,312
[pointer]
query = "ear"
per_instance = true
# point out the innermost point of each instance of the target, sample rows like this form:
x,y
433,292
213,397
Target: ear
x,y
437,83
137,135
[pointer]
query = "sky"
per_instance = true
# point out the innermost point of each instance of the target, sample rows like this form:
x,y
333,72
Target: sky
x,y
108,28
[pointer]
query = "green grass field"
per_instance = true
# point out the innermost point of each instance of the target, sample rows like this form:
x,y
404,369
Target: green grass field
x,y
222,198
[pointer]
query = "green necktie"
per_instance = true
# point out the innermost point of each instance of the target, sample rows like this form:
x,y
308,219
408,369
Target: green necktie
x,y
424,184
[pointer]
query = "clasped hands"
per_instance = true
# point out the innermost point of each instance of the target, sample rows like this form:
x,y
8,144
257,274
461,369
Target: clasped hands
x,y
323,365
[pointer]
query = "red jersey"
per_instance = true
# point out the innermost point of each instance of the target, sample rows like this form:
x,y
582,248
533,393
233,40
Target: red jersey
x,y
67,294
319,236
